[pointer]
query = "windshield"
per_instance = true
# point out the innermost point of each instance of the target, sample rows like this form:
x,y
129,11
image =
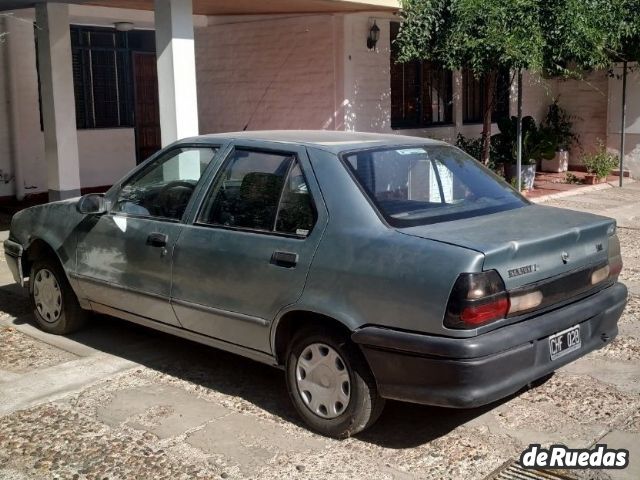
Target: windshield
x,y
421,185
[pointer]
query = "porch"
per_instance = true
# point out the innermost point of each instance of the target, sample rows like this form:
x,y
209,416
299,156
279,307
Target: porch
x,y
59,141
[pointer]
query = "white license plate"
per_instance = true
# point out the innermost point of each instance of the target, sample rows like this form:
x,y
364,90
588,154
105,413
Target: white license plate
x,y
564,342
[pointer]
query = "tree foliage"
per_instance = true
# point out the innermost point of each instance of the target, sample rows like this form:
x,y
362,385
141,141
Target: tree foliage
x,y
587,34
480,35
557,37
562,37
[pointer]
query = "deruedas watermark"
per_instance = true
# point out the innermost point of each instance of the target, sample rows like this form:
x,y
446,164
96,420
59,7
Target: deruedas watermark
x,y
560,456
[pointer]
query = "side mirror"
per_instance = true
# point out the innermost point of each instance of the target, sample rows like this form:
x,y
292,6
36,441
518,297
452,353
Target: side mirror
x,y
92,204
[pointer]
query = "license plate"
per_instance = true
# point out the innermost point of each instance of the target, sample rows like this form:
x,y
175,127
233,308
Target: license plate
x,y
564,342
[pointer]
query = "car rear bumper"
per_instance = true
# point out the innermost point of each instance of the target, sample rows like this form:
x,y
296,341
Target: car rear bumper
x,y
470,372
13,255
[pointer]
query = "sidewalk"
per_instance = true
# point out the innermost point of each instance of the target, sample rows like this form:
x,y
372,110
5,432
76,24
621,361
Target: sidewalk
x,y
554,185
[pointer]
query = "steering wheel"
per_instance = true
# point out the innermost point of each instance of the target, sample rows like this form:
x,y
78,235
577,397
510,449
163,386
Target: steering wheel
x,y
174,197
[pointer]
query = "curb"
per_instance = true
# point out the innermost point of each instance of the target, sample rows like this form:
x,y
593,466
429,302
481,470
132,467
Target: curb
x,y
578,191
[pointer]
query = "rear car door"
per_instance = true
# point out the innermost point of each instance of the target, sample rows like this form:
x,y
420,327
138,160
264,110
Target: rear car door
x,y
124,256
247,253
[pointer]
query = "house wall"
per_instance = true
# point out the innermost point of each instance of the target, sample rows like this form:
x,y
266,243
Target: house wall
x,y
266,73
586,100
367,103
537,94
105,154
5,130
632,124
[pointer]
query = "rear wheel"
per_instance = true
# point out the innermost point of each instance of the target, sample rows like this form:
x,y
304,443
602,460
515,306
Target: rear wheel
x,y
330,384
54,303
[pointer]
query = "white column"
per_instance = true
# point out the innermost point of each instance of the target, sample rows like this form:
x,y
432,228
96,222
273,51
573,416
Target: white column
x,y
58,102
176,70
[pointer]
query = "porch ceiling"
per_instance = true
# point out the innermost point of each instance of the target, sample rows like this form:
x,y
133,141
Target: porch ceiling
x,y
235,7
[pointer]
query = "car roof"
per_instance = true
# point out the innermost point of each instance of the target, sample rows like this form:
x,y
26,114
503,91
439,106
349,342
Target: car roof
x,y
333,141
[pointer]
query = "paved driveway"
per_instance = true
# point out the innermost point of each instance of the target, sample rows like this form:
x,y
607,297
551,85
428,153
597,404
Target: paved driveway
x,y
121,401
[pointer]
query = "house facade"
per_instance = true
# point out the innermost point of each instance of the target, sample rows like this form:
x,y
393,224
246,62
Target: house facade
x,y
90,90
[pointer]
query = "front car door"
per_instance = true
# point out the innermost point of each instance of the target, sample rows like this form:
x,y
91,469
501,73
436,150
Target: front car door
x,y
248,251
124,256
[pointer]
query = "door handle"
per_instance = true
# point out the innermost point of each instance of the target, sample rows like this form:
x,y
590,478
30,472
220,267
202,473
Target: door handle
x,y
157,240
284,259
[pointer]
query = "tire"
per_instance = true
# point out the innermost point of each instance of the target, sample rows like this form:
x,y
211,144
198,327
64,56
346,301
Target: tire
x,y
337,419
50,289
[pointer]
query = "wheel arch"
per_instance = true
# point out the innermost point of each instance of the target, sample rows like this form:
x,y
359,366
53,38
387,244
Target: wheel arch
x,y
292,321
37,249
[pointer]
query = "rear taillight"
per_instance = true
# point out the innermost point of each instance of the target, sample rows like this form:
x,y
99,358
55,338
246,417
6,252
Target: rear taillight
x,y
477,299
615,258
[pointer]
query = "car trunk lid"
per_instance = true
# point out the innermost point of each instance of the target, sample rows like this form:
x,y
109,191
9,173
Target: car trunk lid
x,y
527,244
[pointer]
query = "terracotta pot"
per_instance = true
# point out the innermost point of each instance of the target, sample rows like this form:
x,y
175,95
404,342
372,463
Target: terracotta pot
x,y
590,179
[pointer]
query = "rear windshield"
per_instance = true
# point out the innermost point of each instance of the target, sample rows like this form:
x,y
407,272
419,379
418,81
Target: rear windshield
x,y
421,185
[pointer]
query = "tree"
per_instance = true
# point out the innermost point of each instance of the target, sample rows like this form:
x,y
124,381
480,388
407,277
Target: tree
x,y
558,37
480,35
581,35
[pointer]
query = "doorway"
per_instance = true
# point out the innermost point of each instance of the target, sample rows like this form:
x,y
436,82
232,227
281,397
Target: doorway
x,y
147,110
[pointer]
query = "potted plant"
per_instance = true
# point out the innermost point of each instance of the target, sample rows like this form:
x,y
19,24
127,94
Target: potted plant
x,y
599,164
560,123
538,143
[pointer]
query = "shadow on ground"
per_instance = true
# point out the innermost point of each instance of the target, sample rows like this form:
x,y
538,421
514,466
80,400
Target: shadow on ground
x,y
401,425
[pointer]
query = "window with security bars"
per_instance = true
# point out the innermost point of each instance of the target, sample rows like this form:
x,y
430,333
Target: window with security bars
x,y
103,75
473,97
101,78
421,91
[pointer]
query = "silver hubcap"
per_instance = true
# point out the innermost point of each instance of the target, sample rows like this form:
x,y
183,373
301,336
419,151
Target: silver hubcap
x,y
323,380
47,295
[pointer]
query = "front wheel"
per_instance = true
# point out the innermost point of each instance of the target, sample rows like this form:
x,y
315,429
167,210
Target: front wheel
x,y
331,385
54,303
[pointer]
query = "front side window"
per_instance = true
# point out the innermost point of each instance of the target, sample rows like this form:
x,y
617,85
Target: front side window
x,y
421,91
163,189
261,191
430,184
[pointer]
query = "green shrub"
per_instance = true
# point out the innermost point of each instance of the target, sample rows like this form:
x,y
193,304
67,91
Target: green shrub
x,y
600,163
473,146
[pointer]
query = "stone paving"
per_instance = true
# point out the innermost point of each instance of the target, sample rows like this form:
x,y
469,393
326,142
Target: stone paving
x,y
119,401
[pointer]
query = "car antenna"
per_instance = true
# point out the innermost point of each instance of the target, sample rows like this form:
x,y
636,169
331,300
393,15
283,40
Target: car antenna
x,y
268,87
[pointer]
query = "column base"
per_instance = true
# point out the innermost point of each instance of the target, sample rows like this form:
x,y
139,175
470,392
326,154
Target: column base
x,y
55,195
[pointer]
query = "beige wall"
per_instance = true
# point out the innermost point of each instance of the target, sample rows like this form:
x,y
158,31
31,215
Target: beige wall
x,y
585,99
5,126
632,124
267,73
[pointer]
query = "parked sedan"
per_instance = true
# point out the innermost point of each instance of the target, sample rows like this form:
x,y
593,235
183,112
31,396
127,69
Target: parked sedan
x,y
368,266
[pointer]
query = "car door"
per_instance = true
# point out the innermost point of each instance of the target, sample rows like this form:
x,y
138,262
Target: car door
x,y
124,256
247,252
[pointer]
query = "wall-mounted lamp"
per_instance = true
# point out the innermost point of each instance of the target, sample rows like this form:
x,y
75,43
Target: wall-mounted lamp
x,y
123,26
374,35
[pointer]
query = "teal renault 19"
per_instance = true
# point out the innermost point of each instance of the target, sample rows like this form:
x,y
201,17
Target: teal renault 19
x,y
368,266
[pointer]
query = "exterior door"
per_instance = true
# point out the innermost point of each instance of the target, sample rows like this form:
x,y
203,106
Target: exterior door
x,y
146,108
124,256
248,252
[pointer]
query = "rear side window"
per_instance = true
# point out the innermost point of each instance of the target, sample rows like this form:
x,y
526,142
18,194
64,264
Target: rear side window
x,y
261,191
